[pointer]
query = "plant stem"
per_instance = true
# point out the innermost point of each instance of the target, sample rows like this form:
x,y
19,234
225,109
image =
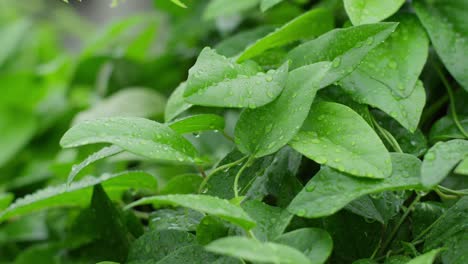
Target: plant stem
x,y
388,136
454,192
216,170
239,173
388,242
452,101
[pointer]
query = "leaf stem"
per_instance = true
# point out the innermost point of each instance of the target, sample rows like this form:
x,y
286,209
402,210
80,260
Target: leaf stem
x,y
388,136
239,173
218,169
455,192
394,232
452,101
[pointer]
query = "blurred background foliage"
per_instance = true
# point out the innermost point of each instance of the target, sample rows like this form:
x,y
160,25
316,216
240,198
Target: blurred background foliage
x,y
64,63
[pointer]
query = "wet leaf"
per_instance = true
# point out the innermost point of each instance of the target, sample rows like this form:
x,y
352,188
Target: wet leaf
x,y
371,11
176,104
197,123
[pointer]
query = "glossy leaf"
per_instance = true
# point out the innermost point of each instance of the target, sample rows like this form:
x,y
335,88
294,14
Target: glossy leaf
x,y
317,21
176,104
445,129
203,203
217,81
365,90
256,251
101,154
335,135
371,11
329,190
446,26
137,102
398,61
345,48
182,184
198,123
426,258
265,130
175,219
441,159
78,193
190,253
315,243
137,135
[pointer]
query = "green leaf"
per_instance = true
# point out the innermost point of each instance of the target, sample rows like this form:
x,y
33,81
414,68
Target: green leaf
x,y
380,207
256,251
446,25
197,253
335,135
267,4
329,190
315,243
218,8
235,44
265,130
78,193
441,159
182,184
5,200
197,123
426,258
210,229
179,3
17,129
272,221
217,81
445,129
425,214
176,104
175,219
398,61
101,154
365,90
344,47
24,229
451,223
462,168
154,245
137,135
203,203
317,21
137,102
98,221
12,35
371,11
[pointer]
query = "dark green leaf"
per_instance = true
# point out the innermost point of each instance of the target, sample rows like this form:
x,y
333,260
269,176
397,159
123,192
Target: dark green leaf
x,y
175,219
198,123
182,184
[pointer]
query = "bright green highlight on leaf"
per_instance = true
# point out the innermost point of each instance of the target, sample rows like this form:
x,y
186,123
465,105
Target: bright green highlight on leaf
x,y
441,159
79,193
426,258
371,11
256,251
217,81
335,135
316,21
203,203
329,190
137,135
198,123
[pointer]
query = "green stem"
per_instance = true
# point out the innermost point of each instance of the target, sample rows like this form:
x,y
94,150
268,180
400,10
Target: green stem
x,y
388,136
452,101
394,232
239,173
454,192
443,195
218,169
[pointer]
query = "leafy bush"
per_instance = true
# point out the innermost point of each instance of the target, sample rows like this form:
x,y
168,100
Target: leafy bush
x,y
247,131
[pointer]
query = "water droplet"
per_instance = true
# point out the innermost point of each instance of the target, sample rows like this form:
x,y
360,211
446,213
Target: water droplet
x,y
430,156
310,187
336,62
370,40
321,160
315,140
269,78
392,64
301,212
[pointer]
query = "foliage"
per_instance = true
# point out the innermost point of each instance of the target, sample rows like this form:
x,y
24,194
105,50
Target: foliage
x,y
247,131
